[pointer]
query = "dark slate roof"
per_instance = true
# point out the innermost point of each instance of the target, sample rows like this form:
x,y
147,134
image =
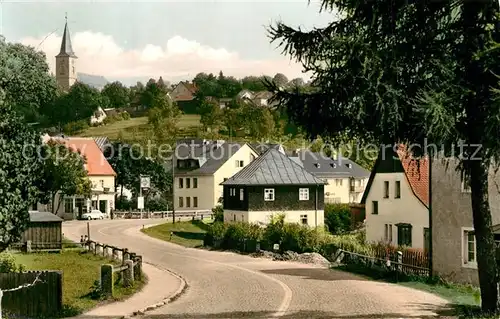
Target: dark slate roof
x,y
323,166
210,156
261,148
66,47
101,141
43,217
273,168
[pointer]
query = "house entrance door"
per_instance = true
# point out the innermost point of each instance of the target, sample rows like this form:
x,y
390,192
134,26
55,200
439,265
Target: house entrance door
x,y
103,205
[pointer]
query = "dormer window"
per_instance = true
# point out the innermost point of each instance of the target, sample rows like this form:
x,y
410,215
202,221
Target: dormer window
x,y
349,165
317,165
333,165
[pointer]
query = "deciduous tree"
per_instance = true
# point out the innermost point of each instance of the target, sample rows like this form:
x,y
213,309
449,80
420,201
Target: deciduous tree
x,y
25,79
63,174
280,80
211,114
19,171
129,164
117,93
80,103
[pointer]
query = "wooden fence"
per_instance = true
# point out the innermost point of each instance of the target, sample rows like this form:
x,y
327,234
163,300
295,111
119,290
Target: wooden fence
x,y
165,214
31,294
130,269
405,262
412,260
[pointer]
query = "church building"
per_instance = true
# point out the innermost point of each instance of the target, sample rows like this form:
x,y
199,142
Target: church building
x,y
66,74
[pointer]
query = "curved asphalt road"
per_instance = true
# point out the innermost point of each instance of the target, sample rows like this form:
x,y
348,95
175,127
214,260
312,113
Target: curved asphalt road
x,y
228,285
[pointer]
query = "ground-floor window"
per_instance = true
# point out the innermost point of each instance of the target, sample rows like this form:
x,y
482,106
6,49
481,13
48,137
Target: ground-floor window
x,y
303,219
68,205
469,247
404,234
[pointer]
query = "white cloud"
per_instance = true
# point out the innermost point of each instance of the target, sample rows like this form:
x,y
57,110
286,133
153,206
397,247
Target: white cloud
x,y
99,54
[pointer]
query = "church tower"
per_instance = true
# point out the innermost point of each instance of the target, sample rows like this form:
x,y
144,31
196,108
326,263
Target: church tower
x,y
65,62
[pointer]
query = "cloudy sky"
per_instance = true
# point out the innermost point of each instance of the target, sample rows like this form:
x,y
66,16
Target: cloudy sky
x,y
136,40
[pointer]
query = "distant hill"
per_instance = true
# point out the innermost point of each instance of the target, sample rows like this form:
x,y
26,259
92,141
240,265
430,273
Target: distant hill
x,y
96,81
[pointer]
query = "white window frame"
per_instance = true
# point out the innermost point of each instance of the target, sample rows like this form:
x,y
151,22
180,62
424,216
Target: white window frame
x,y
242,194
232,192
465,249
303,193
269,191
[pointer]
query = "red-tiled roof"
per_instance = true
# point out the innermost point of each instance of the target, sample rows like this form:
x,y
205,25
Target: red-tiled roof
x,y
96,162
184,98
190,86
417,173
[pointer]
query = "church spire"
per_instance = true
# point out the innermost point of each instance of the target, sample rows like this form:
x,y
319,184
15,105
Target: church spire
x,y
66,47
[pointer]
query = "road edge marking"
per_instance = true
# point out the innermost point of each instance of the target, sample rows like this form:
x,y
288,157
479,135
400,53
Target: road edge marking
x,y
176,295
287,299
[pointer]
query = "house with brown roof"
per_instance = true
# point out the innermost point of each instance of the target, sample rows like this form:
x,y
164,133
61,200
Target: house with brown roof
x,y
397,199
101,175
184,91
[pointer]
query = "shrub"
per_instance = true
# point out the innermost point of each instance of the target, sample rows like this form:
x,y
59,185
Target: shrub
x,y
218,212
8,264
75,127
293,236
274,231
215,233
338,218
125,115
157,204
238,233
123,204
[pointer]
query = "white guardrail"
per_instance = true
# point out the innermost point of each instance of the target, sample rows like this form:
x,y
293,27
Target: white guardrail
x,y
192,214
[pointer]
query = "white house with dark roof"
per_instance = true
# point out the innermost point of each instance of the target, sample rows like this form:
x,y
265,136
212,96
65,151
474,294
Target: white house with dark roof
x,y
274,184
346,180
200,167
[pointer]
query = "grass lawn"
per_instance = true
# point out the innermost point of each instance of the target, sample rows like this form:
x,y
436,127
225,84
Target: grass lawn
x,y
80,271
137,123
187,234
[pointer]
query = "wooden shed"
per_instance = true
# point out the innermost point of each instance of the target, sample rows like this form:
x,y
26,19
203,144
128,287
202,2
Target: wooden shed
x,y
44,231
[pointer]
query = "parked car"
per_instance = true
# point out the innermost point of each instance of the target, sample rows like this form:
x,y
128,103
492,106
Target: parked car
x,y
94,214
